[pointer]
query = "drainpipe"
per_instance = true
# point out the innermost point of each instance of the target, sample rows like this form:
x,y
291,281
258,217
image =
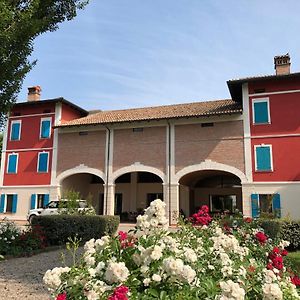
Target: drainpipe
x,y
169,170
107,166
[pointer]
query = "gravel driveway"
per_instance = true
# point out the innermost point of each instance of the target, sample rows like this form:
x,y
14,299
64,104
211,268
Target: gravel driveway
x,y
22,278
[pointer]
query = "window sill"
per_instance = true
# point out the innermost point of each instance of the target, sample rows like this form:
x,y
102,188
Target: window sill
x,y
266,123
263,171
44,138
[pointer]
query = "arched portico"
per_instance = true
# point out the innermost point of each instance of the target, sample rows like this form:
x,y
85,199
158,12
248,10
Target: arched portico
x,y
88,182
210,183
210,165
130,189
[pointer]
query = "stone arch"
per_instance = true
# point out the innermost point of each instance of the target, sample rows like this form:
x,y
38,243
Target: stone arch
x,y
77,170
210,165
136,168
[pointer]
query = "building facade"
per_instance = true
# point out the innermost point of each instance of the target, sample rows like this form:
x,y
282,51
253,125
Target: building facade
x,y
238,153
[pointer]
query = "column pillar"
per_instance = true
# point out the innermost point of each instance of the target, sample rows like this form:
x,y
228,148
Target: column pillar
x,y
133,191
167,200
109,199
174,203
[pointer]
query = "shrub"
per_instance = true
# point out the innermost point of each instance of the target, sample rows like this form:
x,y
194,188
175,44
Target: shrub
x,y
194,262
58,228
288,230
15,242
9,232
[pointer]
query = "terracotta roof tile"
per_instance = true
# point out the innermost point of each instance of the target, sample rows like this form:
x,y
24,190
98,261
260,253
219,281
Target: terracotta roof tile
x,y
196,109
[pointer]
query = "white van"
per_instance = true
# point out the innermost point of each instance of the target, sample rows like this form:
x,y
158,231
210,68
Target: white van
x,y
52,208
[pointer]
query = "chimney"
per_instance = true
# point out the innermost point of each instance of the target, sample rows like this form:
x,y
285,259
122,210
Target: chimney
x,y
34,93
282,64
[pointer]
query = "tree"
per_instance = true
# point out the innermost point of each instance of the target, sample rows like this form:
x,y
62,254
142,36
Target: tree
x,y
21,21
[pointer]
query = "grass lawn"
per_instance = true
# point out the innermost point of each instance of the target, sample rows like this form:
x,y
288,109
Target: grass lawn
x,y
294,257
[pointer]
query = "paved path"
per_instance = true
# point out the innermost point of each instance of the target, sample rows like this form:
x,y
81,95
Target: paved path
x,y
22,278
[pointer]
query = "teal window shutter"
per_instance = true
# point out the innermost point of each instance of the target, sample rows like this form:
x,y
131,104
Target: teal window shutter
x,y
12,163
2,203
33,201
45,129
43,162
263,158
14,203
46,199
15,131
276,205
261,113
254,205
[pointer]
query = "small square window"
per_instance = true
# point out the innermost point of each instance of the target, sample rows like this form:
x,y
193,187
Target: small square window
x,y
263,158
261,111
15,131
45,130
43,161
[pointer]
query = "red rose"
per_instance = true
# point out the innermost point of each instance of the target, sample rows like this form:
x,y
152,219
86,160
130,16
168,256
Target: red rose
x,y
284,252
62,296
248,220
122,235
261,237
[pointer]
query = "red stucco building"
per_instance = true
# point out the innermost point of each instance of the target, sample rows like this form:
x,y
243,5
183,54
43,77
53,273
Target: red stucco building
x,y
238,153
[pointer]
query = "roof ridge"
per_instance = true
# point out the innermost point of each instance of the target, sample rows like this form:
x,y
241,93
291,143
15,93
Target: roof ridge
x,y
160,106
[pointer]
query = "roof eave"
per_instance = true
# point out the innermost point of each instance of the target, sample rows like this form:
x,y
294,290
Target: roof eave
x,y
237,111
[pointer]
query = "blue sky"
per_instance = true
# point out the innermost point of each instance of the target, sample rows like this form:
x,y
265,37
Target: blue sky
x,y
133,53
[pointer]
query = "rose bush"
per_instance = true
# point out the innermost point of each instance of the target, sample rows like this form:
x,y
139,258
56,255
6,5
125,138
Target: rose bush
x,y
17,242
207,261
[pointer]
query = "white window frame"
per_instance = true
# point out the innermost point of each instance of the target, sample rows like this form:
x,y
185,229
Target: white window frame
x,y
45,119
265,194
271,157
5,202
38,162
258,100
11,126
17,163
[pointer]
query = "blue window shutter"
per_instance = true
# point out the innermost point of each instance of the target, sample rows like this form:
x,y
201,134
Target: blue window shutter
x,y
263,158
276,205
261,114
254,205
12,163
2,203
46,199
33,201
43,162
45,128
14,204
15,131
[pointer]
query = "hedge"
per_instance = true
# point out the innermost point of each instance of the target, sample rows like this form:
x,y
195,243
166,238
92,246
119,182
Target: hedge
x,y
286,230
58,228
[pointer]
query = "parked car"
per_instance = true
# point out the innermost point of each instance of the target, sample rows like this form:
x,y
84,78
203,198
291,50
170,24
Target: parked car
x,y
52,208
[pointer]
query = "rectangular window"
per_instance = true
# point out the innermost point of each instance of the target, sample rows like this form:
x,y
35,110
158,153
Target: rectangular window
x,y
263,158
8,203
261,111
266,204
45,130
15,130
222,203
153,196
12,165
43,160
39,200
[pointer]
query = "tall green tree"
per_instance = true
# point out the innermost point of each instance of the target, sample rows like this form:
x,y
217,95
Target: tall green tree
x,y
21,21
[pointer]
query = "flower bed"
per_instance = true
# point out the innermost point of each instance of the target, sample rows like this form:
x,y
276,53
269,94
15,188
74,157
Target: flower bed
x,y
207,261
16,242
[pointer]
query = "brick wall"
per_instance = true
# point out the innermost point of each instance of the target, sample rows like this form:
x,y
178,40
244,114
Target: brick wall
x,y
75,149
147,147
222,143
